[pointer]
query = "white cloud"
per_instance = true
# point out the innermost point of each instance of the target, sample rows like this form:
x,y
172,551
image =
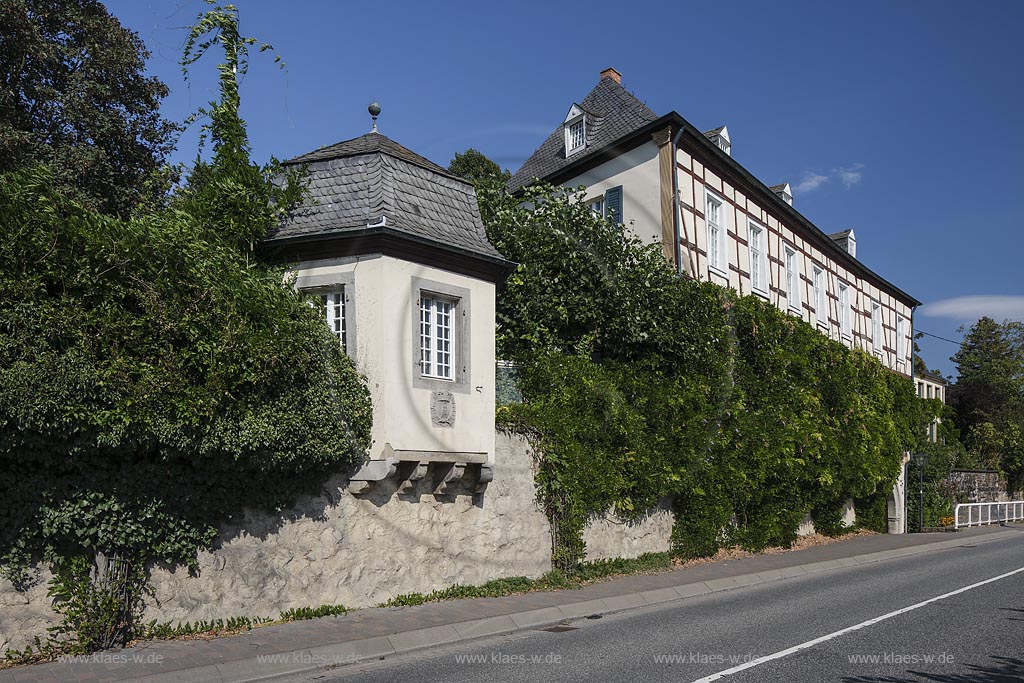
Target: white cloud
x,y
811,182
970,308
851,175
847,175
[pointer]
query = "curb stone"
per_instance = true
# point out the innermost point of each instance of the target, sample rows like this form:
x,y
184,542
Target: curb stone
x,y
290,663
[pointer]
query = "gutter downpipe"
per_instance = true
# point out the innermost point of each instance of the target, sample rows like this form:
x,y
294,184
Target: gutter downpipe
x,y
675,204
906,466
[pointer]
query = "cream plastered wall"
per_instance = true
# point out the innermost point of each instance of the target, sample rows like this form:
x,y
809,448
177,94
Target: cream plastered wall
x,y
694,182
637,171
383,294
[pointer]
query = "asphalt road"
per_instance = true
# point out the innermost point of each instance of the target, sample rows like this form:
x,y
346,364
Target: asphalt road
x,y
834,626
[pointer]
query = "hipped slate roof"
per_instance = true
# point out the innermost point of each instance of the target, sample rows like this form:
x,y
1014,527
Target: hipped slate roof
x,y
373,182
612,113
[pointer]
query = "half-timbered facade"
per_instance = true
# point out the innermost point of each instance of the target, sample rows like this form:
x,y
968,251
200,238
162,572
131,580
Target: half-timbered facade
x,y
674,184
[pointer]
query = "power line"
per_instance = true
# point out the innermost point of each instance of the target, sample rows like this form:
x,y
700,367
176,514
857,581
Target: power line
x,y
929,334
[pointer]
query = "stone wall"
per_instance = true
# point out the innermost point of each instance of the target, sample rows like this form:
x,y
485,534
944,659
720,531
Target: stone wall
x,y
361,550
978,486
610,537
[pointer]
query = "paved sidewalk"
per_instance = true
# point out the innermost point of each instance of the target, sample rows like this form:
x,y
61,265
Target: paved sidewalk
x,y
375,633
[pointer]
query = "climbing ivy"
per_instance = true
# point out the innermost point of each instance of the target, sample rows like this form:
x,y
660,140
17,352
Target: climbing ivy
x,y
155,378
640,385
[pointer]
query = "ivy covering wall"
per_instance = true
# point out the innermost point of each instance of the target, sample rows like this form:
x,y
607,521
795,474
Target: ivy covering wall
x,y
639,384
156,378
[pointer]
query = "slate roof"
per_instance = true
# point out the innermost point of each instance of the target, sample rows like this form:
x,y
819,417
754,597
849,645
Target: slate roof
x,y
842,234
776,188
371,143
612,113
374,182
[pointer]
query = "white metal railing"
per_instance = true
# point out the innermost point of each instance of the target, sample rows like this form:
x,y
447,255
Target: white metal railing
x,y
976,514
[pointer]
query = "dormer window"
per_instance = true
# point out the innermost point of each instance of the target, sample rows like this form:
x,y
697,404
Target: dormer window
x,y
720,136
575,130
784,192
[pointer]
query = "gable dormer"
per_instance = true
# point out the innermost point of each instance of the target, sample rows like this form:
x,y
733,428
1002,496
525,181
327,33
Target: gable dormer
x,y
846,240
575,125
784,192
720,136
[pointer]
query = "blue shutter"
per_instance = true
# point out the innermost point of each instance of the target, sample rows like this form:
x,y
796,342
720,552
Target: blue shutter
x,y
613,204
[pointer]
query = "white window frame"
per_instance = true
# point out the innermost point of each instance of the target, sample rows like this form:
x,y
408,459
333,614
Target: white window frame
x,y
756,245
901,342
333,301
570,136
597,205
820,282
790,260
718,259
438,355
877,334
320,286
845,312
445,367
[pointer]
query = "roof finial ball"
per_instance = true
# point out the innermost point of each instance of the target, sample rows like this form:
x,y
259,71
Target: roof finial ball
x,y
374,110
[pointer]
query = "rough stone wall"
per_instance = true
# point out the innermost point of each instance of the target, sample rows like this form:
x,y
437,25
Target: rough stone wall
x,y
361,550
975,486
610,537
339,548
24,614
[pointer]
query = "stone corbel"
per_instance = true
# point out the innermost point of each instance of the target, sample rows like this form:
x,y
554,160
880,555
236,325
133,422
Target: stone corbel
x,y
409,475
370,473
446,476
485,477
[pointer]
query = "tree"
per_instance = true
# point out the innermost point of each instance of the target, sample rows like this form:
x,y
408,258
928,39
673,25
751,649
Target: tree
x,y
989,394
155,380
488,179
236,198
76,99
475,167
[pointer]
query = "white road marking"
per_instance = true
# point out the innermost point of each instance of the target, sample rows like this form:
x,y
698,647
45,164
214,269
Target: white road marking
x,y
864,624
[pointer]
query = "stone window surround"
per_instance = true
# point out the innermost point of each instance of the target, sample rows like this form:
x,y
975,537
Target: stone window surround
x,y
461,336
331,282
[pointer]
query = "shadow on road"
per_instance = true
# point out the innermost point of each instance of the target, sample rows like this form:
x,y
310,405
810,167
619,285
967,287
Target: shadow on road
x,y
1001,670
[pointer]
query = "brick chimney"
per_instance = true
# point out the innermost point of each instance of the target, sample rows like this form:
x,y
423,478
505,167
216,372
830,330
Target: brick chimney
x,y
612,74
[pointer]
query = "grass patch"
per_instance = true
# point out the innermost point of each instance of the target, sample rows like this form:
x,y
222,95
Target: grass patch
x,y
587,572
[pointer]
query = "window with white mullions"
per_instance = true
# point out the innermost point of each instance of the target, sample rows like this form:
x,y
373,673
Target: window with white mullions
x,y
715,219
758,263
845,312
820,297
436,350
876,328
901,342
793,297
576,135
334,310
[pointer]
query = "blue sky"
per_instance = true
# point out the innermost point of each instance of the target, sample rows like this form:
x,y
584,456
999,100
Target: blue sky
x,y
898,119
